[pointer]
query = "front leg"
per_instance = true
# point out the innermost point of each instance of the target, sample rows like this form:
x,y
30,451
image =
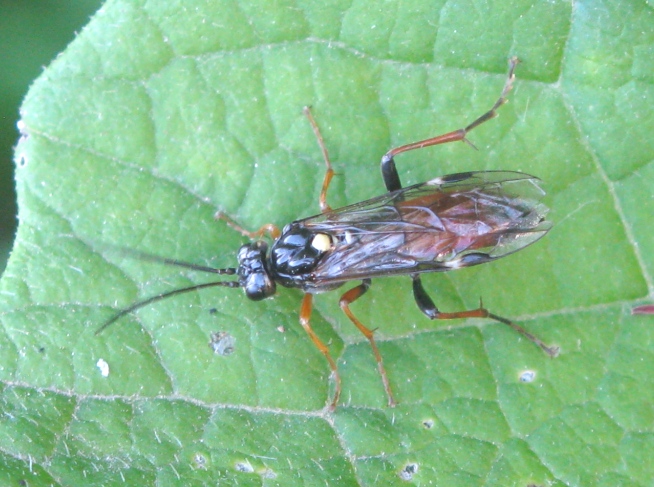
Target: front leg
x,y
305,317
268,228
430,310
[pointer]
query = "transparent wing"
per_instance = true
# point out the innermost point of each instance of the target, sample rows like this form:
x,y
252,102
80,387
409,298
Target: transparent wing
x,y
450,222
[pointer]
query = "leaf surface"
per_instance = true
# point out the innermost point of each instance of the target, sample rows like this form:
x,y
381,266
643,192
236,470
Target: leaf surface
x,y
161,113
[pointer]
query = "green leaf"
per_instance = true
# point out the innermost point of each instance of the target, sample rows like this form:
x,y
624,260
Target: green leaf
x,y
161,113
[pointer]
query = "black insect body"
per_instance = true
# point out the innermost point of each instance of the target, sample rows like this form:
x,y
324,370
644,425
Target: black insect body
x,y
446,223
443,224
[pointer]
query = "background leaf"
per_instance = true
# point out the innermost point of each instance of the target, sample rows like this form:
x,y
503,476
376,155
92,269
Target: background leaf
x,y
32,35
159,114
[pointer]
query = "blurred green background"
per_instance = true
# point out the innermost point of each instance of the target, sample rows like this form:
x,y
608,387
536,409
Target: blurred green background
x,y
32,33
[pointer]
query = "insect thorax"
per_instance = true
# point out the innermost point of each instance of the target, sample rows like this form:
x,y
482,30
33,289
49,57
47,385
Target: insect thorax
x,y
295,255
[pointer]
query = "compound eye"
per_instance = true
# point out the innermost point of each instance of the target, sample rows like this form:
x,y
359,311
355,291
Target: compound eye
x,y
259,286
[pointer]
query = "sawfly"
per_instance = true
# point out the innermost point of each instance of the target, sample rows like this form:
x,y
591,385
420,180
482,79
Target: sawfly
x,y
447,223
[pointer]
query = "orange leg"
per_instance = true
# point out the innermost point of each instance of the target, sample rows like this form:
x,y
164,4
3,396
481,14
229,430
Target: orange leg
x,y
329,174
348,298
305,315
389,171
268,228
427,306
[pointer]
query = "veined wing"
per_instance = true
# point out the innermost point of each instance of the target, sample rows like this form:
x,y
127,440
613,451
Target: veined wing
x,y
450,222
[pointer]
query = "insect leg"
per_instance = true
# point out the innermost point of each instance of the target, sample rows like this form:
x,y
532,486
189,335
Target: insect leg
x,y
305,315
329,174
427,306
268,228
348,298
389,171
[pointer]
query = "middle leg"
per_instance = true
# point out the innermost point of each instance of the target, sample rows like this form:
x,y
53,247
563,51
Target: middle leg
x,y
329,173
348,298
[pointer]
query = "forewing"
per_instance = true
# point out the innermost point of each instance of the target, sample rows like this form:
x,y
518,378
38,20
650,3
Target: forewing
x,y
446,223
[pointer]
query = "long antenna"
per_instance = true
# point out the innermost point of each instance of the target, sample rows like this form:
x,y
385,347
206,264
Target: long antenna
x,y
137,254
165,295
